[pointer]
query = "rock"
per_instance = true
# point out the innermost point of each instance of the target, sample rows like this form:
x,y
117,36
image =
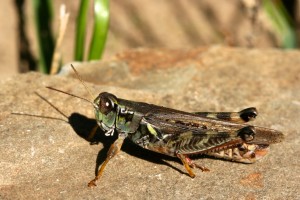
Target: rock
x,y
45,153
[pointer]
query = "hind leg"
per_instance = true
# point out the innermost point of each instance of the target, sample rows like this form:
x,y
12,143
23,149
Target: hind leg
x,y
188,164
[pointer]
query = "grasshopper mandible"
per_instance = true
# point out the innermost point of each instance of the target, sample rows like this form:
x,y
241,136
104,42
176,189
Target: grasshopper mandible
x,y
178,133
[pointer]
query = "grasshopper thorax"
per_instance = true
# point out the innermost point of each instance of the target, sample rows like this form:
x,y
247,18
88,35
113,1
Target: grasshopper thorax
x,y
106,107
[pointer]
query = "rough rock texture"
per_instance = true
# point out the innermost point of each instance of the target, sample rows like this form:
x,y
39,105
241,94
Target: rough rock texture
x,y
45,153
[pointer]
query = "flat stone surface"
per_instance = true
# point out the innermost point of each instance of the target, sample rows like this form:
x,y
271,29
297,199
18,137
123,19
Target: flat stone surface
x,y
45,153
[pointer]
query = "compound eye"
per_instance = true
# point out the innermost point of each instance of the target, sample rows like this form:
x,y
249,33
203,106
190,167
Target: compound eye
x,y
106,106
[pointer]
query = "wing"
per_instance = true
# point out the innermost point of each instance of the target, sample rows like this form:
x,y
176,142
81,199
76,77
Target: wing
x,y
182,120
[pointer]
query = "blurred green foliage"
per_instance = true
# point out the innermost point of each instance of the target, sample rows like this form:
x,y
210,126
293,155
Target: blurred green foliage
x,y
44,21
281,22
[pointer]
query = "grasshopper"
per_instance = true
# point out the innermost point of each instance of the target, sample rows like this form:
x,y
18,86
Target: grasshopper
x,y
180,134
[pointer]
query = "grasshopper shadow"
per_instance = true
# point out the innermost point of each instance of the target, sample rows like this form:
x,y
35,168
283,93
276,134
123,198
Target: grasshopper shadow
x,y
83,127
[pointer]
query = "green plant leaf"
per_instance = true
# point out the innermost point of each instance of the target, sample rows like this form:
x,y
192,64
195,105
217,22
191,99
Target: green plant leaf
x,y
81,30
282,23
43,21
101,24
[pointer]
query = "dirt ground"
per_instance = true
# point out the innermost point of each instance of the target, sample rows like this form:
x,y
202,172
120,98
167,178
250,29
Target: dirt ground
x,y
140,23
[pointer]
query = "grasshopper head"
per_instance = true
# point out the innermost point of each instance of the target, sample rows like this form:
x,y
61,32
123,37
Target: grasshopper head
x,y
106,112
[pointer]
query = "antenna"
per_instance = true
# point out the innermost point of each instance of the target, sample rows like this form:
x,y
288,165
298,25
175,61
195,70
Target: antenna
x,y
73,95
83,83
